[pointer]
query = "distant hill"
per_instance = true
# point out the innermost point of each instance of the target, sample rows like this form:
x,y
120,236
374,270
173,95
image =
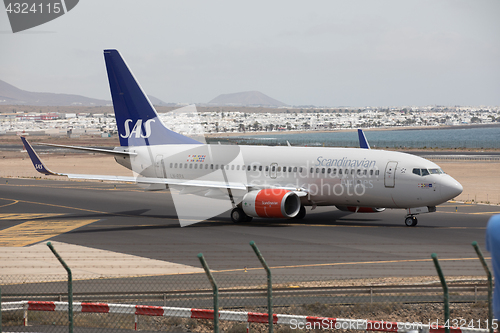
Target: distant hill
x,y
10,95
247,98
13,95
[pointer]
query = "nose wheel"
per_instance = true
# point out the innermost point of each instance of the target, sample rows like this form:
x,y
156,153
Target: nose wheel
x,y
411,221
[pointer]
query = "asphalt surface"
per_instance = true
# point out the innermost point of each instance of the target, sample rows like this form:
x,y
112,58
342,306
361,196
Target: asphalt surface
x,y
327,242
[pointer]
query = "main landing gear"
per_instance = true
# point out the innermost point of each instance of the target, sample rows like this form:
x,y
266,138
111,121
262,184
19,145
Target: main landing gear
x,y
239,216
411,221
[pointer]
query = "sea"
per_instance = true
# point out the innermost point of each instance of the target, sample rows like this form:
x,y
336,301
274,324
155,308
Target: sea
x,y
460,137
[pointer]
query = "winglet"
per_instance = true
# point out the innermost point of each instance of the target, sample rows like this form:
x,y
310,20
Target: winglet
x,y
37,163
363,143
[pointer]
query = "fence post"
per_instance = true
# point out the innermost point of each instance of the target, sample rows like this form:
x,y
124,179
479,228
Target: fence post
x,y
215,291
269,286
70,286
490,285
445,292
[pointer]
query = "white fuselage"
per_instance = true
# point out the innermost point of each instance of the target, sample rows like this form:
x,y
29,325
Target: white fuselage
x,y
330,176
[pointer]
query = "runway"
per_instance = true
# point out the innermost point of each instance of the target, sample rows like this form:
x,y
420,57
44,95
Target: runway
x,y
327,244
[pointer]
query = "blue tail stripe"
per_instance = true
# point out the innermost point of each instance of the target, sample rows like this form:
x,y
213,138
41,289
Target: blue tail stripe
x,y
137,121
363,143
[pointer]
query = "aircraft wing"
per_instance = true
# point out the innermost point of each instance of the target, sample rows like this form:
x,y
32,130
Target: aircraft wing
x,y
90,149
40,167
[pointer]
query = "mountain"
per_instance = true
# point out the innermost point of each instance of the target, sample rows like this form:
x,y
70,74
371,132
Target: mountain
x,y
13,95
10,95
247,98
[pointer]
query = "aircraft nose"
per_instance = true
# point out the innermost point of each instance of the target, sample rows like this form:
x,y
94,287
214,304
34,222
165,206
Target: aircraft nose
x,y
450,188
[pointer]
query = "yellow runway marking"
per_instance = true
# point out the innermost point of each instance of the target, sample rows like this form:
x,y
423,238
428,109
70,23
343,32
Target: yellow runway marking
x,y
36,231
349,263
10,204
26,216
477,213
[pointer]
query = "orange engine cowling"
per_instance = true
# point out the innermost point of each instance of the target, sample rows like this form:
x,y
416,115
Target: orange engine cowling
x,y
356,209
276,203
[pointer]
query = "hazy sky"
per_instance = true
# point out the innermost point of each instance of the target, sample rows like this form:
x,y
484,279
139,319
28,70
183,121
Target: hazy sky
x,y
334,53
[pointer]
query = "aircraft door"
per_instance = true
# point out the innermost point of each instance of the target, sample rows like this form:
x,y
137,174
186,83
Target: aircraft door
x,y
273,170
159,166
390,174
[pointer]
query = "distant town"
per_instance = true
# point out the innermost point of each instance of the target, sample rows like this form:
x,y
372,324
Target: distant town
x,y
17,120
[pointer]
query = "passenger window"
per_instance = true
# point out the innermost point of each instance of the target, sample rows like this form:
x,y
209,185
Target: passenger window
x,y
371,172
340,171
365,172
211,166
300,169
249,168
289,169
317,170
329,170
323,170
170,165
260,167
216,167
273,168
334,171
196,166
180,165
295,169
232,167
359,172
416,171
238,167
175,165
424,172
284,169
206,166
377,172
312,170
185,165
279,169
352,172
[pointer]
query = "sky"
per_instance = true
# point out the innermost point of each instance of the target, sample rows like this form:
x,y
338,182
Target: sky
x,y
324,53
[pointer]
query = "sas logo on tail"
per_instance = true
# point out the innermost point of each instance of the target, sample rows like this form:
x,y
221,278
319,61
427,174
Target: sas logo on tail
x,y
137,129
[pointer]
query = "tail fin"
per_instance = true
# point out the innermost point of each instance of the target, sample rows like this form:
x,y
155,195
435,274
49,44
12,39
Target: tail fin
x,y
136,118
363,143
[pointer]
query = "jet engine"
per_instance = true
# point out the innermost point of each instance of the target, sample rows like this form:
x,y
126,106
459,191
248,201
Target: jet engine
x,y
356,209
270,202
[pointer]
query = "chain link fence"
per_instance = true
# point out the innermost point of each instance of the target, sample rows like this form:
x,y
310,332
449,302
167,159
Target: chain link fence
x,y
166,302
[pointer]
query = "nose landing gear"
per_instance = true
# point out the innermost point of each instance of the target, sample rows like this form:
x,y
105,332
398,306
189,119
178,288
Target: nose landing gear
x,y
411,221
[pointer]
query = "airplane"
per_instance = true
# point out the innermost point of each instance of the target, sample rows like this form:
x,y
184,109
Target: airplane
x,y
259,181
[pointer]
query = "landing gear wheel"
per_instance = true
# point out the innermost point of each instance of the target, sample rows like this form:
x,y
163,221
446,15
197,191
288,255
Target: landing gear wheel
x,y
239,216
301,214
411,221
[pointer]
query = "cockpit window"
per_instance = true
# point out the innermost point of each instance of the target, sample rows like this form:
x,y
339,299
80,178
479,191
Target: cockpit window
x,y
416,171
424,172
435,171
